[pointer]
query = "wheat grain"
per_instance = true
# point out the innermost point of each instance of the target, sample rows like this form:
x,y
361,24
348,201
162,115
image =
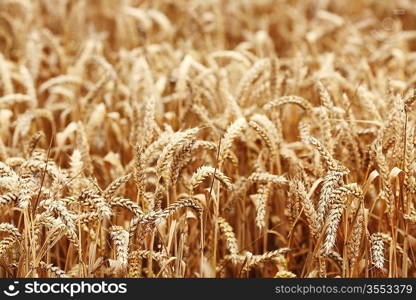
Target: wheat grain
x,y
312,146
267,178
206,171
53,269
232,243
263,199
120,239
377,250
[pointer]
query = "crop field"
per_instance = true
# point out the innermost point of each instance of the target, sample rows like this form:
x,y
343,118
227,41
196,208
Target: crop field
x,y
207,138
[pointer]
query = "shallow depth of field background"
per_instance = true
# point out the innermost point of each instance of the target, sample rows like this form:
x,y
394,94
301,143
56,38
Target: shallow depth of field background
x,y
207,138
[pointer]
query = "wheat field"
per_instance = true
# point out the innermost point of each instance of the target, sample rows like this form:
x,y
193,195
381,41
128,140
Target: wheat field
x,y
207,138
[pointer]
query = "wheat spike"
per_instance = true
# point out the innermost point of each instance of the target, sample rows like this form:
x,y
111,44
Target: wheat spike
x,y
206,171
120,239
